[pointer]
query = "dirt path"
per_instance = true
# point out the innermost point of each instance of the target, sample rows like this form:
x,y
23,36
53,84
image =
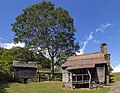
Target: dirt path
x,y
115,88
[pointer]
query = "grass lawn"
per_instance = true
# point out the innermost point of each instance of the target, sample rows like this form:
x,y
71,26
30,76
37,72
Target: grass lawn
x,y
116,76
47,87
50,87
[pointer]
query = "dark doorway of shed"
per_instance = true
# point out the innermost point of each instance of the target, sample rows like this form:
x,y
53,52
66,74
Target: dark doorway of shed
x,y
25,80
82,85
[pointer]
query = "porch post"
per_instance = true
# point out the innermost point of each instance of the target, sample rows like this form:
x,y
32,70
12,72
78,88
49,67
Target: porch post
x,y
71,80
89,78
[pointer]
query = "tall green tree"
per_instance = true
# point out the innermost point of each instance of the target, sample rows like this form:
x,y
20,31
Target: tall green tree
x,y
44,26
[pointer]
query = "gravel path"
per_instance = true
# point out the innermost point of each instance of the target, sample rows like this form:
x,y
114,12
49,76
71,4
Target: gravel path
x,y
115,88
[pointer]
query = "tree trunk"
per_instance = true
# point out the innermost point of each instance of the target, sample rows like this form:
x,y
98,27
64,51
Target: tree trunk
x,y
52,67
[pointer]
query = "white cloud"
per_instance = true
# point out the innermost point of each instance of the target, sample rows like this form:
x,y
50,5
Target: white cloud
x,y
79,52
111,66
103,27
95,42
116,69
1,38
87,40
10,45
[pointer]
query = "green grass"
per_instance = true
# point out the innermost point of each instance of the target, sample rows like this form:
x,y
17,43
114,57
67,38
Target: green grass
x,y
2,88
116,76
48,87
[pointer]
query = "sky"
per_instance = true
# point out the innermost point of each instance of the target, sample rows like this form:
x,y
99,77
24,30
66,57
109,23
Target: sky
x,y
96,22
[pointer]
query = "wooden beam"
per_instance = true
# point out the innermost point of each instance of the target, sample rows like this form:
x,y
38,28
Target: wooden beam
x,y
71,81
89,78
82,78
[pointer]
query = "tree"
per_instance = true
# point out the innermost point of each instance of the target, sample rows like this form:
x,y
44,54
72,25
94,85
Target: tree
x,y
23,54
1,50
6,59
29,54
46,27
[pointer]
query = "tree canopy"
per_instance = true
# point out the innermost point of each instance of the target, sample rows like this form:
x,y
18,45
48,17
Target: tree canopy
x,y
28,54
47,28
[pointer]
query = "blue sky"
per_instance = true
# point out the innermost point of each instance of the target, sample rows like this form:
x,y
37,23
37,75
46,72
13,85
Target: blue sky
x,y
96,22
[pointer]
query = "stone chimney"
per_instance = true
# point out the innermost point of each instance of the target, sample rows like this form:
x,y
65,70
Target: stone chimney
x,y
104,48
107,58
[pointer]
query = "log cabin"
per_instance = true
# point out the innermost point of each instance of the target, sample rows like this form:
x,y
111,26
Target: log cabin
x,y
87,70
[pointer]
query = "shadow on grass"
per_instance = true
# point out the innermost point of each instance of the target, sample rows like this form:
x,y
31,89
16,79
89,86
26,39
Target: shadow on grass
x,y
3,86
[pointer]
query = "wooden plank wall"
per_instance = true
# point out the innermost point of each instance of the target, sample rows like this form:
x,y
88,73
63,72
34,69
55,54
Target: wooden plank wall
x,y
101,73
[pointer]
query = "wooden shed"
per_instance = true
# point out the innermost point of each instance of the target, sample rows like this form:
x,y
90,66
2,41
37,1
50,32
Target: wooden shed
x,y
24,70
87,69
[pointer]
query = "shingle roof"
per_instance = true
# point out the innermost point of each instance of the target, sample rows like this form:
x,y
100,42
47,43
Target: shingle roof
x,y
85,61
24,64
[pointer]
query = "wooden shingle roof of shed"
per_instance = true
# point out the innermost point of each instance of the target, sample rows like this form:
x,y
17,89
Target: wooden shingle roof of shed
x,y
24,64
85,61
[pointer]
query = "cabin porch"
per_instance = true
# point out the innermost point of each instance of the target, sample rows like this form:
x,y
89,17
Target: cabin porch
x,y
80,78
